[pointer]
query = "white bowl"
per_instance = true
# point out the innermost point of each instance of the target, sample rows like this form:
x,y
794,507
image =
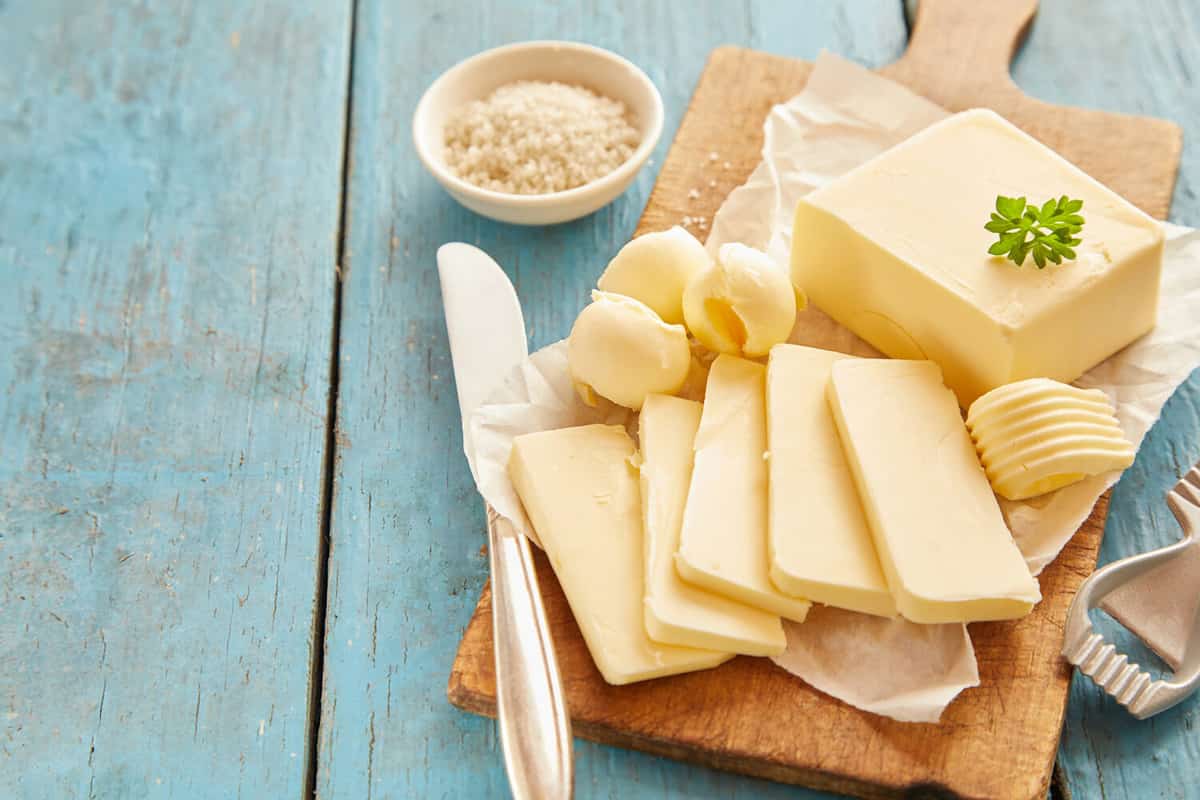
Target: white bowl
x,y
600,70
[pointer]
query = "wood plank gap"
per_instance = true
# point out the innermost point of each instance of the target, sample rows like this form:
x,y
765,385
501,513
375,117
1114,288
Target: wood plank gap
x,y
1059,790
316,669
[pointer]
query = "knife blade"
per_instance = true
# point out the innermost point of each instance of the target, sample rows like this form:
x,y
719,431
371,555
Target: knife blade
x,y
487,340
485,325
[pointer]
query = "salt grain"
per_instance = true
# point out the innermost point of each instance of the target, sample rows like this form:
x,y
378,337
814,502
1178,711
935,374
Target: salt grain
x,y
534,137
694,193
713,156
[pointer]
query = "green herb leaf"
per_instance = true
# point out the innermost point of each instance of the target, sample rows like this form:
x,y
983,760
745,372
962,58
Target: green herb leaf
x,y
1010,207
1048,232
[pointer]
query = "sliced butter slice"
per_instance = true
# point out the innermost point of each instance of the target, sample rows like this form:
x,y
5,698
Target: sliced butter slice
x,y
938,529
677,613
581,493
1038,435
819,543
723,546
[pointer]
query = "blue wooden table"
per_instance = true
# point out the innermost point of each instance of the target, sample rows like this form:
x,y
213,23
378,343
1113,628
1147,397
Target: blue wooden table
x,y
238,539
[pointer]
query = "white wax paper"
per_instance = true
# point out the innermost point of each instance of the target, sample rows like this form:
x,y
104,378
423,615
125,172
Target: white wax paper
x,y
845,116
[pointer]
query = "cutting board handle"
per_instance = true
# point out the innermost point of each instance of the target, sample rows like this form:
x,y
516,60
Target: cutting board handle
x,y
960,50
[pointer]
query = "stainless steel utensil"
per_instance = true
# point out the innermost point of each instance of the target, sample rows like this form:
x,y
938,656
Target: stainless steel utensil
x,y
1126,682
487,339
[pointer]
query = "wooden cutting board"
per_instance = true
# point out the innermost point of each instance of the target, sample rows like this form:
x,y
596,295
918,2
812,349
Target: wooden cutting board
x,y
995,741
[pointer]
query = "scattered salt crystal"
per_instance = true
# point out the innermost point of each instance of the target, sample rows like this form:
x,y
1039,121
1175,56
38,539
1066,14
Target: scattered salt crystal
x,y
694,193
712,183
713,156
726,165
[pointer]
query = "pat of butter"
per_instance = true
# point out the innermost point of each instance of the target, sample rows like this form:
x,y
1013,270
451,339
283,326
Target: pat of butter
x,y
581,493
1039,435
677,613
743,304
938,529
896,251
723,546
818,539
655,268
621,350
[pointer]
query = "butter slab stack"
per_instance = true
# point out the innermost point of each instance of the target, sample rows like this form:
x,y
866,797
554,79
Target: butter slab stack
x,y
723,545
819,544
896,251
677,613
1038,435
938,530
581,494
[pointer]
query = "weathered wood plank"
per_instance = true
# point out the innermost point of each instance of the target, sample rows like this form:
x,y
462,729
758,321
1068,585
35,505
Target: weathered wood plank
x,y
169,203
406,565
1105,54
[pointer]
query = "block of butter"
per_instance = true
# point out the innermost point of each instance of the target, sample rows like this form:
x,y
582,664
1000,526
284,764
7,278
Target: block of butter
x,y
723,545
580,490
677,613
938,530
817,535
896,251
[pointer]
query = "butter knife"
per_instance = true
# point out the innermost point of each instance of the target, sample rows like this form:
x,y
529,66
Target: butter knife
x,y
487,340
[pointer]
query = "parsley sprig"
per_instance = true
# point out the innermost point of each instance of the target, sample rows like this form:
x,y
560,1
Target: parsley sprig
x,y
1049,232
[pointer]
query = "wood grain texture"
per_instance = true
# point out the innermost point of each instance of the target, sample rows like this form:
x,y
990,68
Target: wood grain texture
x,y
406,564
998,740
169,198
959,57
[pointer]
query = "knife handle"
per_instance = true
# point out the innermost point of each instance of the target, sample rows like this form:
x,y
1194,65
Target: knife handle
x,y
535,731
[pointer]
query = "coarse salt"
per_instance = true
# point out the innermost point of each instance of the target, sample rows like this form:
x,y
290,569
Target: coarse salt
x,y
535,137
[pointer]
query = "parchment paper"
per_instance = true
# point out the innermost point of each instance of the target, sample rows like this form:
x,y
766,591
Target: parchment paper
x,y
845,116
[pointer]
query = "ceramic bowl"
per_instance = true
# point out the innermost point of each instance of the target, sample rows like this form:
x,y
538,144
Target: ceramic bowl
x,y
602,71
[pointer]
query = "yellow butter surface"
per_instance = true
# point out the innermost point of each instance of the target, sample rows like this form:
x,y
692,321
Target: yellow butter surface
x,y
819,542
1038,435
580,491
676,612
941,538
896,251
723,544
